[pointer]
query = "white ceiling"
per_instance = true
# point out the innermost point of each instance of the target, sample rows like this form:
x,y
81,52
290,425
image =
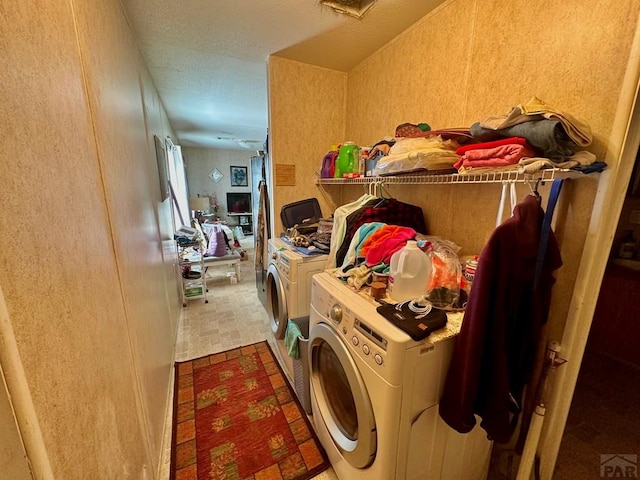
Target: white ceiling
x,y
208,58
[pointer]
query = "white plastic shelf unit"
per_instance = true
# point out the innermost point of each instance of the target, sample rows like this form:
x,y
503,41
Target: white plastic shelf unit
x,y
190,255
545,175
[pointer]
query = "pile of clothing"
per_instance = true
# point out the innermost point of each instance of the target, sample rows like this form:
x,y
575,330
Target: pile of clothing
x,y
372,246
557,135
316,242
498,153
348,218
528,138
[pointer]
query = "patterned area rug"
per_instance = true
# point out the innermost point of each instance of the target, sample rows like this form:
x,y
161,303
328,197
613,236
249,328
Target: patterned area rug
x,y
237,418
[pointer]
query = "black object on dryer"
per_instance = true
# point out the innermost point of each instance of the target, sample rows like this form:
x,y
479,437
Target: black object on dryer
x,y
303,214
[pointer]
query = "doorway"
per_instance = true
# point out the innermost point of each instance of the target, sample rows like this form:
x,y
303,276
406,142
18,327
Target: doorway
x,y
602,432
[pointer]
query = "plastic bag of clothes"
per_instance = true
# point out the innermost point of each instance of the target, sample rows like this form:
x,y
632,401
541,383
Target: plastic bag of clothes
x,y
444,290
418,154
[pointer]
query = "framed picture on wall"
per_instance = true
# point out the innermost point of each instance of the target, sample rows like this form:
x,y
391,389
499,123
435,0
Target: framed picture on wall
x,y
239,177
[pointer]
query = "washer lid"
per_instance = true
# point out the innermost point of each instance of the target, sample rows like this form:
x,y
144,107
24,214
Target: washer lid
x,y
302,212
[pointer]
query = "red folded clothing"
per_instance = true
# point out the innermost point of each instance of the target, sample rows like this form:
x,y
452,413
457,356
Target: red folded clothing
x,y
500,156
495,143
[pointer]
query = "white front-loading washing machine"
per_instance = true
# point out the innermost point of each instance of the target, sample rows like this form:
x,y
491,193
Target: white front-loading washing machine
x,y
375,393
288,292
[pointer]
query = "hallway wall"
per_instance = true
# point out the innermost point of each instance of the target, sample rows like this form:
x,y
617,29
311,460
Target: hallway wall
x,y
86,246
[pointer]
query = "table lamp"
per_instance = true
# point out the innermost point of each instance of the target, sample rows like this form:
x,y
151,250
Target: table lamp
x,y
198,205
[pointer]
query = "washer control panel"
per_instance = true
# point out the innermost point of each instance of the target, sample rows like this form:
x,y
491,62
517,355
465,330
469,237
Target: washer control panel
x,y
362,339
283,264
369,344
370,333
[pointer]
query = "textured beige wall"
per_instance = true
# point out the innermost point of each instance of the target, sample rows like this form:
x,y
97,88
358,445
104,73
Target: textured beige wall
x,y
306,116
491,56
116,80
474,58
89,298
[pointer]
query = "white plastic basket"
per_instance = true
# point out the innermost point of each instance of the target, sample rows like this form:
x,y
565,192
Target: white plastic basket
x,y
301,365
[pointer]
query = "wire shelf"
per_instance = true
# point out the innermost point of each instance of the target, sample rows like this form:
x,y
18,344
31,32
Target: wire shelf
x,y
507,176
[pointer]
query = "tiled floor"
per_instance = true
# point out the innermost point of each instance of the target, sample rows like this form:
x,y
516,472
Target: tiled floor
x,y
604,417
233,317
604,420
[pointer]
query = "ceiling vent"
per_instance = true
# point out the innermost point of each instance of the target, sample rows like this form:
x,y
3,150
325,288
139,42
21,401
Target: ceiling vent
x,y
353,8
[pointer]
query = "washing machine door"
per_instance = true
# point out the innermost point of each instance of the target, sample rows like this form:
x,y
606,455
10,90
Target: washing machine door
x,y
276,302
341,396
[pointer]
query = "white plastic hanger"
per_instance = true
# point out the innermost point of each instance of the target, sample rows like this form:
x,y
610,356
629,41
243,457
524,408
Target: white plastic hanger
x,y
503,198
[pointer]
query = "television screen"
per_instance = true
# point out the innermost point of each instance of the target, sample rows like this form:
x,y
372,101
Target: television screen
x,y
238,202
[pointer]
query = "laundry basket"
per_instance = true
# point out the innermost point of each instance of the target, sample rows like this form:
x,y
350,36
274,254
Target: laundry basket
x,y
301,365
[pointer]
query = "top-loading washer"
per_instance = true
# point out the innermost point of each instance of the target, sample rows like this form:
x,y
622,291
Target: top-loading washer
x,y
375,394
288,291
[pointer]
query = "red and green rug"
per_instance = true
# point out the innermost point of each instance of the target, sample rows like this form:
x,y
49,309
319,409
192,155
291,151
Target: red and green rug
x,y
237,418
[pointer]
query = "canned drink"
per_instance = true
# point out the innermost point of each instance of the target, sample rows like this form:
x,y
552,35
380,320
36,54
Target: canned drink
x,y
470,269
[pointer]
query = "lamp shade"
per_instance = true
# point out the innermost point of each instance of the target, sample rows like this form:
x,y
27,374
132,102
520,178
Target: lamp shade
x,y
199,203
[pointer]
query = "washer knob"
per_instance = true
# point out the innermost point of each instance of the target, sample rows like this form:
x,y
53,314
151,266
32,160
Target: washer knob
x,y
378,358
336,313
365,349
274,256
355,341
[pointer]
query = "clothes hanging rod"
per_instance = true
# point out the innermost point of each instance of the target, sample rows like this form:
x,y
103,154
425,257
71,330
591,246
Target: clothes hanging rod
x,y
545,175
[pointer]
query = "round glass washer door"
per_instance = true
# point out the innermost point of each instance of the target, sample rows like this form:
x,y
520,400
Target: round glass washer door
x,y
341,396
276,302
